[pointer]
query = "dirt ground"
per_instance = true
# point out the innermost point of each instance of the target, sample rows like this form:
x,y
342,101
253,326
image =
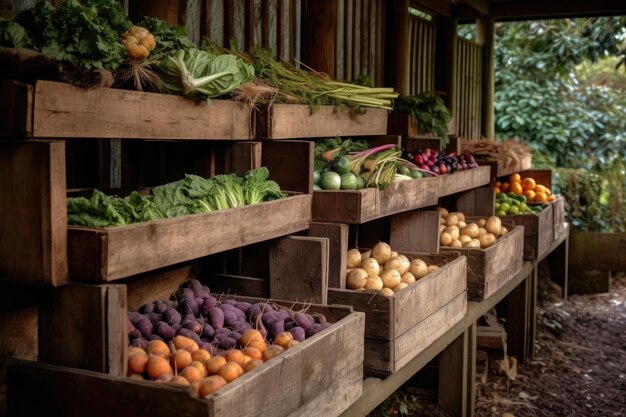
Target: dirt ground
x,y
579,366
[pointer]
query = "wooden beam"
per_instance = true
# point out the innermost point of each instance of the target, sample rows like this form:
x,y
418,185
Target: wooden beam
x,y
439,7
446,61
397,45
541,9
481,6
485,37
453,376
320,31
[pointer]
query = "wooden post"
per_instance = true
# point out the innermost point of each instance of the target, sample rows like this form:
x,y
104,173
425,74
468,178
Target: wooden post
x,y
165,10
471,369
518,318
485,36
453,362
446,62
397,46
6,8
318,36
559,266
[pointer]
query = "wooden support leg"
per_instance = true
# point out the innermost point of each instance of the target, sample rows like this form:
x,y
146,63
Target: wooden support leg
x,y
532,313
471,370
517,319
558,261
453,376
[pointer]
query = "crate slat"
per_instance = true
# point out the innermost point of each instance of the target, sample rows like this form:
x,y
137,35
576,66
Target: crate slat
x,y
109,254
463,180
538,231
292,121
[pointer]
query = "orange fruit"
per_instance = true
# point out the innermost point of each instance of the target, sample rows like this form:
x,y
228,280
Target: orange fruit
x,y
551,197
541,197
504,187
528,184
530,195
516,188
515,178
497,190
496,184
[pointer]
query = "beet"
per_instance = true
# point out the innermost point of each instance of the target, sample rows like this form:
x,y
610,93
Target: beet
x,y
155,318
207,331
171,316
144,326
227,343
147,308
216,317
133,333
191,335
304,320
160,307
298,333
275,329
155,337
164,330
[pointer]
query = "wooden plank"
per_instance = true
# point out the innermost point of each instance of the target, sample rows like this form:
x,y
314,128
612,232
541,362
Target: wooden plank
x,y
356,48
337,235
558,212
340,51
558,261
293,121
299,269
325,361
238,285
601,251
85,326
518,319
489,269
15,114
33,219
349,35
345,206
408,195
538,232
19,340
415,231
290,163
463,180
158,286
216,21
453,376
245,156
118,252
471,369
62,110
589,281
476,202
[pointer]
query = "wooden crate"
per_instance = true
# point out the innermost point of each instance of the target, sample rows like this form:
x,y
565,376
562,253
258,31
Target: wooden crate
x,y
33,212
499,168
538,231
399,327
57,110
293,121
489,269
403,124
541,176
107,254
595,250
413,144
322,374
463,180
558,211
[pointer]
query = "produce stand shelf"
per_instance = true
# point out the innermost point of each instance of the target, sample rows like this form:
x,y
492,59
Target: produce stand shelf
x,y
499,167
401,326
112,253
288,121
538,231
360,206
57,110
463,180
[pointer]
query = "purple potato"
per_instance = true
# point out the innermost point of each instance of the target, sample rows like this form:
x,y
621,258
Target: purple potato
x,y
142,343
164,330
177,327
304,320
243,306
298,333
189,306
191,335
235,335
195,327
289,324
155,337
227,307
229,318
227,343
145,327
313,330
133,333
160,307
207,346
283,314
155,318
134,317
230,302
171,316
216,316
275,329
207,331
147,308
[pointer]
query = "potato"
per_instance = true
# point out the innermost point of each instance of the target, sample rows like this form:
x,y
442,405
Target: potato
x,y
366,254
470,230
387,292
394,263
464,238
493,225
452,220
472,244
406,264
354,258
452,231
486,240
445,239
381,252
374,283
408,278
418,268
482,231
390,278
456,244
371,266
442,228
399,287
459,215
431,268
394,253
357,278
461,224
503,231
443,211
481,222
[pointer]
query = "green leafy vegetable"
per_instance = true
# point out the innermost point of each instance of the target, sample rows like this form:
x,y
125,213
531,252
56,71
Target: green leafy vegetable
x,y
202,75
83,33
192,194
430,114
168,40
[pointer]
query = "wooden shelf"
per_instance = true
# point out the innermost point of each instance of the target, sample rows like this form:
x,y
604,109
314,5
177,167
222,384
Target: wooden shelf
x,y
463,180
500,169
538,231
57,110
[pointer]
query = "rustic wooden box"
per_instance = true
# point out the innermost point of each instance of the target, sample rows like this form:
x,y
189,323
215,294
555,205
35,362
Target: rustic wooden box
x,y
57,110
558,211
292,121
463,180
499,168
399,327
106,254
538,231
489,269
321,376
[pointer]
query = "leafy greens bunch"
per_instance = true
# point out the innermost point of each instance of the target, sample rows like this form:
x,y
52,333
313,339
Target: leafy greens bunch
x,y
430,114
81,32
192,194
